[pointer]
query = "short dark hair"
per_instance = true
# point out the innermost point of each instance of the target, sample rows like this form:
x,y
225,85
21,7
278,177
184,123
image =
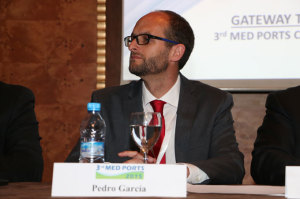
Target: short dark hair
x,y
179,30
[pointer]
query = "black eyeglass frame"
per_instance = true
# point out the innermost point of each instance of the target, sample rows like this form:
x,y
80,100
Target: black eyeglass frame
x,y
127,39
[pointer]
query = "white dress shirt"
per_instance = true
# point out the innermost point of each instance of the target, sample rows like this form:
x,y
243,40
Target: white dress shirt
x,y
170,114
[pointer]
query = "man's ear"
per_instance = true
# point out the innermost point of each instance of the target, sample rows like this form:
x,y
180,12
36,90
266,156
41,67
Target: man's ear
x,y
177,52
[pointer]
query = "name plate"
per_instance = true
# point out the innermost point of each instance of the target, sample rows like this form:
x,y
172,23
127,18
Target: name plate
x,y
92,179
292,182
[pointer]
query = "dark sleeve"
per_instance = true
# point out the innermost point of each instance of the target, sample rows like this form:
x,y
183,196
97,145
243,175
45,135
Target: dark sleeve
x,y
225,164
21,153
274,145
75,153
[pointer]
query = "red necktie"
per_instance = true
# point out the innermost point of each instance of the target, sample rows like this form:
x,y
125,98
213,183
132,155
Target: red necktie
x,y
158,106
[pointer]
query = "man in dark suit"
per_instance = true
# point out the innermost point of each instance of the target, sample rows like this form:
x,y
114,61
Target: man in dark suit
x,y
198,122
20,150
278,138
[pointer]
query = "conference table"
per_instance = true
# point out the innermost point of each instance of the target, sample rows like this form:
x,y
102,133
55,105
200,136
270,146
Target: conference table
x,y
28,190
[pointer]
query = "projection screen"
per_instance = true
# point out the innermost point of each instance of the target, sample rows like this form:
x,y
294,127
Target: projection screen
x,y
242,45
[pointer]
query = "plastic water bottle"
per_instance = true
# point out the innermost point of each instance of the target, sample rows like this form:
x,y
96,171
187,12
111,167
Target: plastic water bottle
x,y
92,131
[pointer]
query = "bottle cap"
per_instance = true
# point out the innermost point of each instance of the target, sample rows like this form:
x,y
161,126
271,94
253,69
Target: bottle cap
x,y
92,106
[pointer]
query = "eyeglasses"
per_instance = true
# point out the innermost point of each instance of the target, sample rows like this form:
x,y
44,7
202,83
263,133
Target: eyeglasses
x,y
144,39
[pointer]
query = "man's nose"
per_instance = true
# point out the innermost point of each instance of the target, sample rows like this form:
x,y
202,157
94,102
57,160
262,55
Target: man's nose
x,y
133,45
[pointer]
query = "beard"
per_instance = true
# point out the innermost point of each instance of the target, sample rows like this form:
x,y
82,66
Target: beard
x,y
150,66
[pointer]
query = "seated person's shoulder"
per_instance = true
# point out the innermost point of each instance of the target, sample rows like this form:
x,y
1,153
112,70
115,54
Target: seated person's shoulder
x,y
109,90
289,92
14,92
286,98
122,90
286,102
210,91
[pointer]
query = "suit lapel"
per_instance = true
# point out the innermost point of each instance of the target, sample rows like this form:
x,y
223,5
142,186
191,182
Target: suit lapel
x,y
186,113
132,103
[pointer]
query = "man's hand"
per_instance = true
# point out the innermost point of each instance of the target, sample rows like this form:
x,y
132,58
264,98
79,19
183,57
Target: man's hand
x,y
136,157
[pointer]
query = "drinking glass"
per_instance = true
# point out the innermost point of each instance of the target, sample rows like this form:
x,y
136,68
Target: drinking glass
x,y
145,130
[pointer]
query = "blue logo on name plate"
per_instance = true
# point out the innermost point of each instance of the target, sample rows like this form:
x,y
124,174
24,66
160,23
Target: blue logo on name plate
x,y
111,171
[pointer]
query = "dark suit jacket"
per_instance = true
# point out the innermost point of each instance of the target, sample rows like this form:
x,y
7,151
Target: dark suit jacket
x,y
20,151
278,139
204,128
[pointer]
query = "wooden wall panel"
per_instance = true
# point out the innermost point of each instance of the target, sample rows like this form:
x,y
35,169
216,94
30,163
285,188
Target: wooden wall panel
x,y
49,46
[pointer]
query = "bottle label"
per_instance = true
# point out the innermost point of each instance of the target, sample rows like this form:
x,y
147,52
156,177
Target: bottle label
x,y
92,149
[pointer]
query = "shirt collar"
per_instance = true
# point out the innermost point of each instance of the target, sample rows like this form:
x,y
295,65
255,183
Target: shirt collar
x,y
171,97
